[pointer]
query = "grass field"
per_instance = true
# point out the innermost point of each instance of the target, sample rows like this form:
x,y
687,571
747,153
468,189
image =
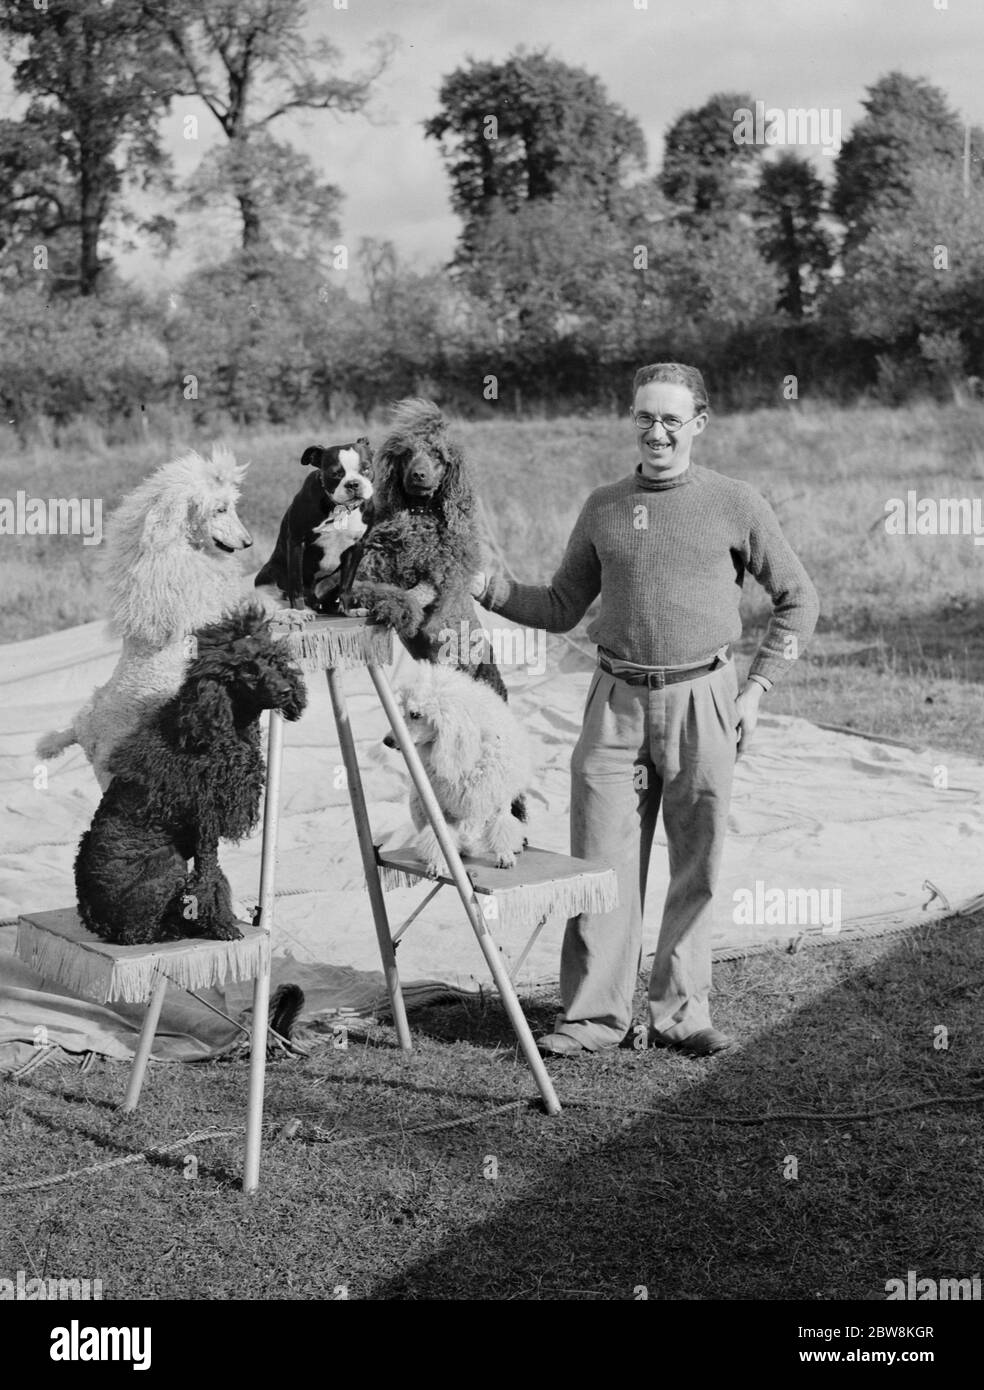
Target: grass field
x,y
900,645
434,1177
661,1173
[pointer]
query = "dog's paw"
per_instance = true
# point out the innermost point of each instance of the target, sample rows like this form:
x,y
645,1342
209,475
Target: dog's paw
x,y
505,860
223,931
402,612
294,617
397,608
434,865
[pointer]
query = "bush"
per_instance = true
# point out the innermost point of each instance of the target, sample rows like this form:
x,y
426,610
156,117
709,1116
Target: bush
x,y
62,358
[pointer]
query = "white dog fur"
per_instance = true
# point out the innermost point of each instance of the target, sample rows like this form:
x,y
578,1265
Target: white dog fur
x,y
169,567
477,759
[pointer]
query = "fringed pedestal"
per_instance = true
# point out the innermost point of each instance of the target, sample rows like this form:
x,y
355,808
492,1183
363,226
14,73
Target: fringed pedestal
x,y
58,946
522,899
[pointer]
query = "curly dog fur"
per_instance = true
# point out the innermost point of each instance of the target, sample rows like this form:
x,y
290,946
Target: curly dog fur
x,y
478,763
422,547
169,567
190,775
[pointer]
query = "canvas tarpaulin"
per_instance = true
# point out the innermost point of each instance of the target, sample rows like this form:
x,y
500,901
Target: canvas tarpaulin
x,y
820,823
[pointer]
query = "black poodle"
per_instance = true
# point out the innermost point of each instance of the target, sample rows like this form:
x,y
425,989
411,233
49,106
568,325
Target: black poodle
x,y
191,774
422,549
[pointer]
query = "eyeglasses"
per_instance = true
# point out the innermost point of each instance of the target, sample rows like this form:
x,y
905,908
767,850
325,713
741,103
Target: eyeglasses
x,y
670,423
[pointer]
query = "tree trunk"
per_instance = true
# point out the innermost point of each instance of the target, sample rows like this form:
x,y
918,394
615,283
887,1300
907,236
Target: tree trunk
x,y
794,290
253,268
251,223
90,219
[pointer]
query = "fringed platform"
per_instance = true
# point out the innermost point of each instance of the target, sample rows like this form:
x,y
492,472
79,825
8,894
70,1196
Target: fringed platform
x,y
343,643
541,885
59,947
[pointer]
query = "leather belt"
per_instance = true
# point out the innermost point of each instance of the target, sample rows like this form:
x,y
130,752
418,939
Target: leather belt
x,y
656,677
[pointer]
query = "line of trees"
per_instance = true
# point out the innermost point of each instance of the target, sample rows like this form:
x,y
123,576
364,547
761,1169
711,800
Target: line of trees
x,y
572,265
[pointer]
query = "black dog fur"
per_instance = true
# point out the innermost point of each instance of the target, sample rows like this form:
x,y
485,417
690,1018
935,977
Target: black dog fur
x,y
313,564
190,775
422,548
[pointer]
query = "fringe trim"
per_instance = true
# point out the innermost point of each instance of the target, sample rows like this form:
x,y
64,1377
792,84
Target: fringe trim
x,y
396,878
322,648
526,905
101,971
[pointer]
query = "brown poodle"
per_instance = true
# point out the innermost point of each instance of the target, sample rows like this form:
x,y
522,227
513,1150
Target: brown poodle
x,y
422,547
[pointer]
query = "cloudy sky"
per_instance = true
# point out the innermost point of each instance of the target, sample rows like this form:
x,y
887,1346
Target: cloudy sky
x,y
655,61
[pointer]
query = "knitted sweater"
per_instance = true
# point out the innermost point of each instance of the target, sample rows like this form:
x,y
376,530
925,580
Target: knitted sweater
x,y
668,559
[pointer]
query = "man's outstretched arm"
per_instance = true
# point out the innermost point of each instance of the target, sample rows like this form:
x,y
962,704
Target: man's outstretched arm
x,y
557,606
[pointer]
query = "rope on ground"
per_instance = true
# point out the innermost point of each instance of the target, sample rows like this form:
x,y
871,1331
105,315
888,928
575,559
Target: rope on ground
x,y
40,1056
199,1137
830,1117
422,1129
204,1136
768,1117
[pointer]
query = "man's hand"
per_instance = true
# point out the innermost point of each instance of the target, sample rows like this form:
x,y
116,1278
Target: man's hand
x,y
747,704
478,584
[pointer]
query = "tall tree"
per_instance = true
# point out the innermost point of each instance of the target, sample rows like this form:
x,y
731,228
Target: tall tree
x,y
96,86
789,206
907,125
549,269
532,129
397,344
38,205
252,63
706,172
922,277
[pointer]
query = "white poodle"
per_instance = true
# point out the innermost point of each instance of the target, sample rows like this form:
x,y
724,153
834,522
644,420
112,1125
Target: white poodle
x,y
169,567
477,760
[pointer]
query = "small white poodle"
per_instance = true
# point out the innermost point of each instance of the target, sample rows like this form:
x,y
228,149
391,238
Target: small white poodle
x,y
477,759
169,568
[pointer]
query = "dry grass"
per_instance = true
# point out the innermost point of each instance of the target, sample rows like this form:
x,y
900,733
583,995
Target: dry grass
x,y
827,473
661,1172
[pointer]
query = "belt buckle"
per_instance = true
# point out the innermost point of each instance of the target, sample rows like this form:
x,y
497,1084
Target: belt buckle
x,y
655,680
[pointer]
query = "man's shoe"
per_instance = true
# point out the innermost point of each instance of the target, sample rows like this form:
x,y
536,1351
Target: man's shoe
x,y
703,1044
559,1045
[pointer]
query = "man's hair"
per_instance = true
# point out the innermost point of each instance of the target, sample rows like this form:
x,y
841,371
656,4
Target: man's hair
x,y
680,375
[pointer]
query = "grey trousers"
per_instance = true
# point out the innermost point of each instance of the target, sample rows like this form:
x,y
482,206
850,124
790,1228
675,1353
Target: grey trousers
x,y
640,748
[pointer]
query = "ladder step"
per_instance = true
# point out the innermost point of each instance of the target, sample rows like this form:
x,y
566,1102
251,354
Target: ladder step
x,y
541,885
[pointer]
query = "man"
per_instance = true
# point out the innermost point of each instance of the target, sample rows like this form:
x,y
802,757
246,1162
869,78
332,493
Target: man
x,y
666,549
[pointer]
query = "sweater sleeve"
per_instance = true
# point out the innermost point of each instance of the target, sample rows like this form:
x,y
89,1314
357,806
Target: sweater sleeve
x,y
795,606
561,604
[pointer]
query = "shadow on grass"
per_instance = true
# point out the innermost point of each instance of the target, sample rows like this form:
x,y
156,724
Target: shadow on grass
x,y
788,1209
483,1023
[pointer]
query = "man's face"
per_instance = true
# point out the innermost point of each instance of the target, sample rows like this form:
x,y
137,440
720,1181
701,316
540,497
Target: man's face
x,y
664,451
